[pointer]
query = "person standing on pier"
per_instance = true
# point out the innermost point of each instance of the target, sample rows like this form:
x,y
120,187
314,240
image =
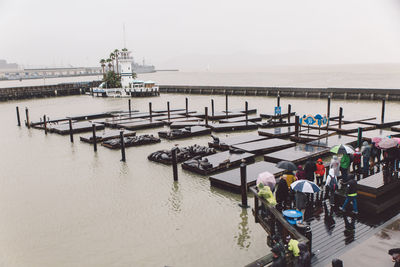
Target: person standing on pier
x,y
331,186
281,194
357,163
300,174
310,169
335,165
366,155
351,194
344,166
320,171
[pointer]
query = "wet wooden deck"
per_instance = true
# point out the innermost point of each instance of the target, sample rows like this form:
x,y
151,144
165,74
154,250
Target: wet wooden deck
x,y
231,181
185,132
279,132
106,135
225,143
265,146
334,140
351,128
241,119
298,154
234,126
368,135
77,127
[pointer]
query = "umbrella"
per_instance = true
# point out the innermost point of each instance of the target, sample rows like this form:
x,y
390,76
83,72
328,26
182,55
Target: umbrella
x,y
342,149
388,143
376,140
267,179
397,139
305,186
286,165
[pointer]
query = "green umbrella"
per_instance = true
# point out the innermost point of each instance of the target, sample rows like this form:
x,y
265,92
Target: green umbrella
x,y
342,149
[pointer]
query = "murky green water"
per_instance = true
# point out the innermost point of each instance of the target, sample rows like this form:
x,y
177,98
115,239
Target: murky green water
x,y
61,204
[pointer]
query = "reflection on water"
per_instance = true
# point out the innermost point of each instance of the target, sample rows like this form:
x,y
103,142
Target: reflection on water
x,y
175,198
243,237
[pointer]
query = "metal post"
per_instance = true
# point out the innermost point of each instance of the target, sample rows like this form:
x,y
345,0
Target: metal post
x,y
18,119
243,185
383,110
168,111
150,112
296,126
246,107
328,112
289,112
187,106
45,124
206,115
340,117
121,137
212,107
94,137
174,164
129,104
28,124
71,135
359,137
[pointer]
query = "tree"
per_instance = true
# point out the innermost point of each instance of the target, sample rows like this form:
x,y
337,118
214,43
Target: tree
x,y
124,50
112,57
116,54
109,64
112,80
103,64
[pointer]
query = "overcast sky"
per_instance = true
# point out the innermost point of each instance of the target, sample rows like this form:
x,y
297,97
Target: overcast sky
x,y
195,35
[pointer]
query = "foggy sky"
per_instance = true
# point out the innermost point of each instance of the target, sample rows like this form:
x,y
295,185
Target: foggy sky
x,y
195,35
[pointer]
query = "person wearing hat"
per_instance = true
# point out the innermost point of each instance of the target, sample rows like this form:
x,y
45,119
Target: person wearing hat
x,y
357,162
395,253
366,155
319,172
278,251
335,165
331,185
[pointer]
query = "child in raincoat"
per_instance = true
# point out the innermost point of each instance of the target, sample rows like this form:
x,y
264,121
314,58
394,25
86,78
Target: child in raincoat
x,y
266,193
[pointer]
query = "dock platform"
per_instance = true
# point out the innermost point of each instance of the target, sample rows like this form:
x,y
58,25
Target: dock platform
x,y
131,141
234,126
182,154
77,127
265,146
225,143
106,135
184,132
231,181
297,154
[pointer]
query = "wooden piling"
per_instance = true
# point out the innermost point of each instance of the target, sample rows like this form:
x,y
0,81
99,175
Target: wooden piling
x,y
174,164
212,107
129,105
168,111
71,134
296,126
150,112
243,185
18,118
206,115
94,137
278,100
383,110
121,136
187,106
359,137
226,105
289,111
340,117
246,108
328,112
45,124
28,124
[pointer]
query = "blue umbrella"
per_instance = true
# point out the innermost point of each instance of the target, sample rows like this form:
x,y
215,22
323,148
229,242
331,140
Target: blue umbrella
x,y
305,186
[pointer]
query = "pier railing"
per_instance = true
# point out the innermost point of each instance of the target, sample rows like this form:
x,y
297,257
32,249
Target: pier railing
x,y
334,93
273,221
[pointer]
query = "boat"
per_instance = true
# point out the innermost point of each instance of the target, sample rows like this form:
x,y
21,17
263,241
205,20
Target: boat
x,y
129,86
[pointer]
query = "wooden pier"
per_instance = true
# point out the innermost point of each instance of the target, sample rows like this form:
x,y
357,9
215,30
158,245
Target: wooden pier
x,y
184,132
297,154
224,144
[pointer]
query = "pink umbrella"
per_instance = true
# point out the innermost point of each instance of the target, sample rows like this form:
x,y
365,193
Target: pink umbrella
x,y
376,140
386,143
267,179
397,139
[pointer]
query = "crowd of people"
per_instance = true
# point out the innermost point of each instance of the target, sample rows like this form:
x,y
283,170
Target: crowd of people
x,y
338,174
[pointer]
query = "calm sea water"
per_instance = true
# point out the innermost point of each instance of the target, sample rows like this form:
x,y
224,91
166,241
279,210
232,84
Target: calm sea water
x,y
61,204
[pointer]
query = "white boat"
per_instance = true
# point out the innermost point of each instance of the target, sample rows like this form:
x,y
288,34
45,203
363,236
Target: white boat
x,y
129,86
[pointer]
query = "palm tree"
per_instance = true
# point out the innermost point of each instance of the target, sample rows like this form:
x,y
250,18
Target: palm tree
x,y
112,57
124,49
116,54
109,63
103,64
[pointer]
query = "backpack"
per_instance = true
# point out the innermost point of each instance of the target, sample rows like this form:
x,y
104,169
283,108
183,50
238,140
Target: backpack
x,y
333,183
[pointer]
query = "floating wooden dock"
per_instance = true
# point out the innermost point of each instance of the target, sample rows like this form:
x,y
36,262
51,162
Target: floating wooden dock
x,y
241,119
146,124
298,154
107,135
77,127
368,135
184,132
265,146
230,180
351,128
277,117
279,132
225,143
131,141
234,126
217,115
334,140
187,123
218,162
182,154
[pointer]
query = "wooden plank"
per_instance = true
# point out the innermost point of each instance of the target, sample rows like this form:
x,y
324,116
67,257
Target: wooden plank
x,y
226,127
298,154
265,146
